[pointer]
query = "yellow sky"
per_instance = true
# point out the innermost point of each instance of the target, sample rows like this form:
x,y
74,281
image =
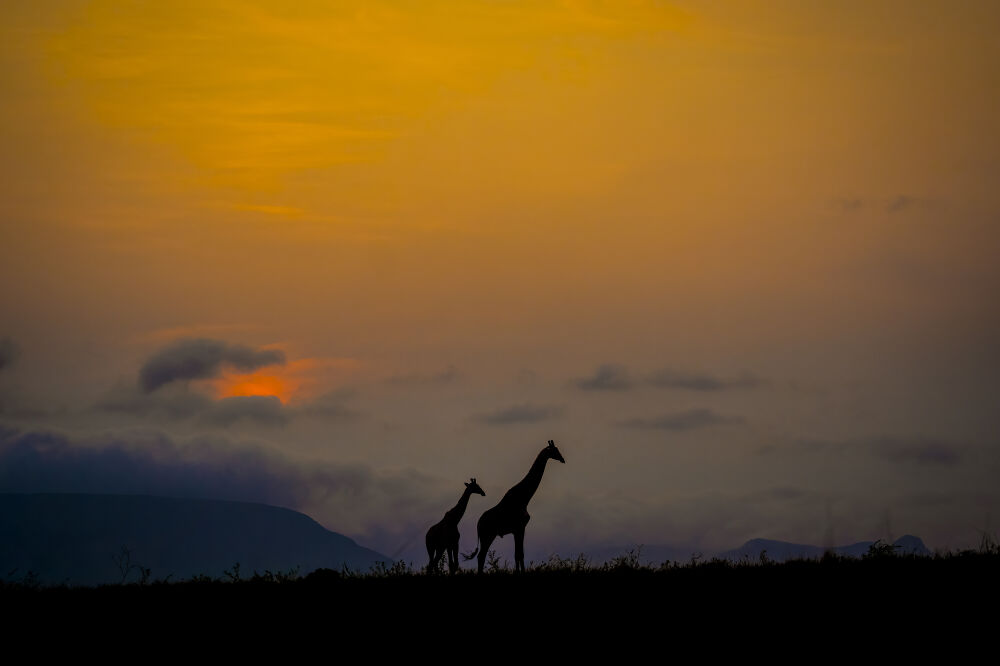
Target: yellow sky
x,y
455,169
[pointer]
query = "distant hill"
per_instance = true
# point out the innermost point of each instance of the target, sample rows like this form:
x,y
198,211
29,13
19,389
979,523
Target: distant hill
x,y
779,551
73,538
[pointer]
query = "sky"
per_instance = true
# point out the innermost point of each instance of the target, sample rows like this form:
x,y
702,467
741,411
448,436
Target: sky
x,y
738,259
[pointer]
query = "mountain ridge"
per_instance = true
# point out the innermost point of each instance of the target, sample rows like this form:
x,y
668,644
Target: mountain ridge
x,y
75,538
779,551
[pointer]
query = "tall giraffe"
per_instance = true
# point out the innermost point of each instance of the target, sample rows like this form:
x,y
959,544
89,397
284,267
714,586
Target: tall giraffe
x,y
443,536
510,515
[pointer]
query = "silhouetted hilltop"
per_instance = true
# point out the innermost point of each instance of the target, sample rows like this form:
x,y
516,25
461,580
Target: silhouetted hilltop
x,y
74,538
780,551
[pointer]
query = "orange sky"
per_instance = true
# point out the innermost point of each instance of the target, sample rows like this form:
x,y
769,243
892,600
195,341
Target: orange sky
x,y
522,192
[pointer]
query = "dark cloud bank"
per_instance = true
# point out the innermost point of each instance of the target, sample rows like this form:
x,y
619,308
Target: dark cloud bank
x,y
202,358
354,499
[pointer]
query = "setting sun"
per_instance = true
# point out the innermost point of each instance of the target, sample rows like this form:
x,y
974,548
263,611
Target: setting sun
x,y
256,384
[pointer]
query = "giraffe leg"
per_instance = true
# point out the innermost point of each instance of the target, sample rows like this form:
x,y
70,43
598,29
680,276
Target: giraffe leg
x,y
485,541
519,549
452,558
435,558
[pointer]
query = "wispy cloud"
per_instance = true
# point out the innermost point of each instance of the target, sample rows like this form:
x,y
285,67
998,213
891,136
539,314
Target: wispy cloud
x,y
258,409
905,202
687,420
8,352
668,378
849,204
178,403
525,413
919,451
607,377
612,377
202,358
894,449
445,376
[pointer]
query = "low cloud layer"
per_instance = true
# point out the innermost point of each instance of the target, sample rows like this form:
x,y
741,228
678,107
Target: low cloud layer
x,y
201,358
526,413
687,420
383,509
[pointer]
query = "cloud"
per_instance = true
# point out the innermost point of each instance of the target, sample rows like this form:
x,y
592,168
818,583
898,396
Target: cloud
x,y
445,376
526,413
259,409
171,403
920,451
610,377
849,204
686,420
904,202
607,377
900,203
202,358
176,403
902,450
699,382
330,407
784,493
349,498
8,352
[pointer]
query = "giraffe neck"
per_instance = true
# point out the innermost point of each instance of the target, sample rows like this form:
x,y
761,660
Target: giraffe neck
x,y
456,513
530,483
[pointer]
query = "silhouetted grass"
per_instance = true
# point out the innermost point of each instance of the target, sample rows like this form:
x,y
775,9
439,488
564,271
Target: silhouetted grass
x,y
838,598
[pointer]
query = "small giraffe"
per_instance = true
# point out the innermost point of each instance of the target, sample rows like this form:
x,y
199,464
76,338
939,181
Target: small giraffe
x,y
443,536
510,515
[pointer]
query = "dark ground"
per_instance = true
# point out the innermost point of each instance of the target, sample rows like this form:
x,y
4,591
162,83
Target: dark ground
x,y
877,608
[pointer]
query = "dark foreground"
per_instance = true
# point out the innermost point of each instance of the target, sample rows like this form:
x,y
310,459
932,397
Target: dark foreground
x,y
883,606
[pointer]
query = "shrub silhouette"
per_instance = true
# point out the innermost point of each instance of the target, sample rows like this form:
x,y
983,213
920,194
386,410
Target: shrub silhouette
x,y
880,550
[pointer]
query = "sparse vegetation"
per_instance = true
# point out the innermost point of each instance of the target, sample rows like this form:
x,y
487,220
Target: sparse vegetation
x,y
123,560
624,596
881,563
880,549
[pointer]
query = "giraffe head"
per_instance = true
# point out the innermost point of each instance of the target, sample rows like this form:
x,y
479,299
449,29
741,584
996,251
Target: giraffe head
x,y
474,487
552,452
